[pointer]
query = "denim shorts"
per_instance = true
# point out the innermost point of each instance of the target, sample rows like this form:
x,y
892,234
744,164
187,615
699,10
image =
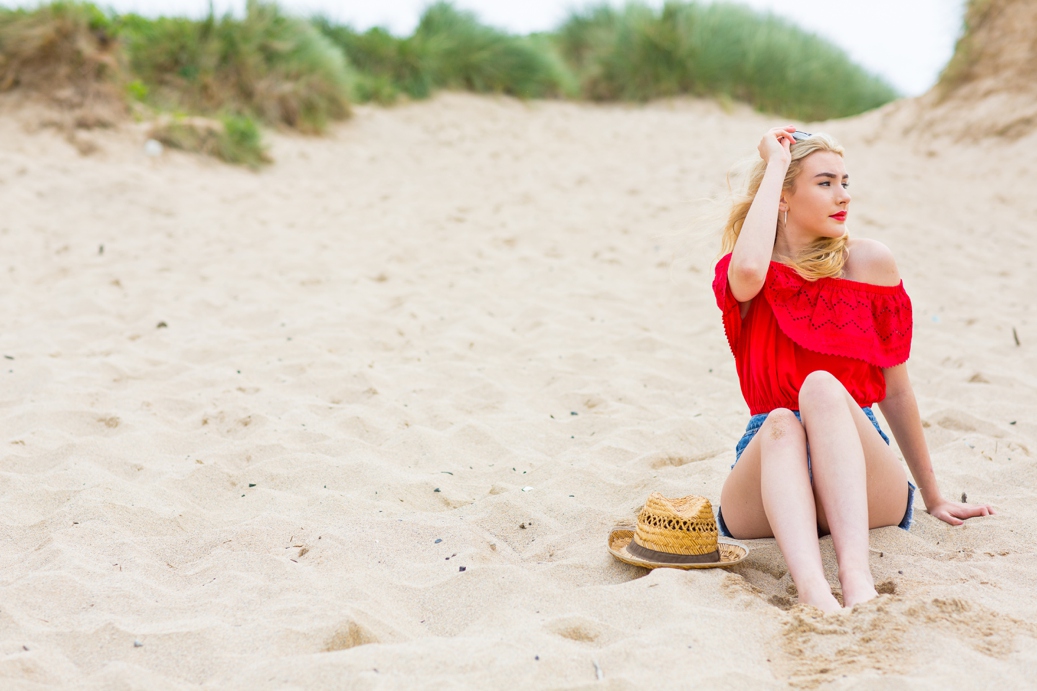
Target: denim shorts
x,y
756,422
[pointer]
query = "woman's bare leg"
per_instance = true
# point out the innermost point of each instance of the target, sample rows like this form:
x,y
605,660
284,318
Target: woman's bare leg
x,y
854,490
768,493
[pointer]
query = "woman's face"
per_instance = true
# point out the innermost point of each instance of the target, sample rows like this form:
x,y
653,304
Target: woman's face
x,y
819,199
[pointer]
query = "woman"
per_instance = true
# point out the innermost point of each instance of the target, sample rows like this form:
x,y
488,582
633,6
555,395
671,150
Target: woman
x,y
820,327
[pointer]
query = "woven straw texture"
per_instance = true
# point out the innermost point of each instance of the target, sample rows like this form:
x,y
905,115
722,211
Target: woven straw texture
x,y
677,526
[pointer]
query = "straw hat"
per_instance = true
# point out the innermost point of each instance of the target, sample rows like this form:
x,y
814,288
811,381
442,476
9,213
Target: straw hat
x,y
676,533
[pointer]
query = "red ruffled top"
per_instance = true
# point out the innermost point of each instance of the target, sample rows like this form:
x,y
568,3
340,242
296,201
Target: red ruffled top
x,y
796,326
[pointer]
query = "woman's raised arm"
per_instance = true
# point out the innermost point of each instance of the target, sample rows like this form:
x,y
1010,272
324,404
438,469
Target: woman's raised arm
x,y
751,257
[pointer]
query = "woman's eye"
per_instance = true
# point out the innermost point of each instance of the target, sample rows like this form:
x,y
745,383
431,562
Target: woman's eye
x,y
846,185
826,183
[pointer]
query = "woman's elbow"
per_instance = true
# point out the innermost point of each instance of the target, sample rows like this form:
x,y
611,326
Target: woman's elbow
x,y
746,279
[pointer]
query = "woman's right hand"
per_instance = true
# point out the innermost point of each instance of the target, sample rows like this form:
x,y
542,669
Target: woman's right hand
x,y
776,145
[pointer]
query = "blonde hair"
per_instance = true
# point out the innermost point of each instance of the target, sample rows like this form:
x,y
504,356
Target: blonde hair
x,y
823,258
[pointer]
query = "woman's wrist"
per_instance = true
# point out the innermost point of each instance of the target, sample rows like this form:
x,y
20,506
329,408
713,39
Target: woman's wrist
x,y
932,497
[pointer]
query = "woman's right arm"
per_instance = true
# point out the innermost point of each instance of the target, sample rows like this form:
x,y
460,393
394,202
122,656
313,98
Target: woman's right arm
x,y
751,257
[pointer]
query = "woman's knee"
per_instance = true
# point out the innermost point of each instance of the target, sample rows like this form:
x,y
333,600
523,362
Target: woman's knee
x,y
783,445
821,388
782,427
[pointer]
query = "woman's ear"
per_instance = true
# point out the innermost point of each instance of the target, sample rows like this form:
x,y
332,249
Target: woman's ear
x,y
782,204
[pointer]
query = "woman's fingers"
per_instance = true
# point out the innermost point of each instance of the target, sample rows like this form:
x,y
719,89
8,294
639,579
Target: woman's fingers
x,y
776,142
956,514
779,135
973,510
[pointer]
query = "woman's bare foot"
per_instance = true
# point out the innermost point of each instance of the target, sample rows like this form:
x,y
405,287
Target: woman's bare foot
x,y
819,596
857,588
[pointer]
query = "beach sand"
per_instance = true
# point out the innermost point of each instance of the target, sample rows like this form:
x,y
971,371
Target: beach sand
x,y
364,419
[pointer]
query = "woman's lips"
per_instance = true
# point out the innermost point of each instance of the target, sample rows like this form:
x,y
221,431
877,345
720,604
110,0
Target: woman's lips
x,y
841,216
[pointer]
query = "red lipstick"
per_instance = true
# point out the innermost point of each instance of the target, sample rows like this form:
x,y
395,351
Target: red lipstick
x,y
841,216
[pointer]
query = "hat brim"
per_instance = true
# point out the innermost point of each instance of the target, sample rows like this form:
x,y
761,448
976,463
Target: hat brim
x,y
731,552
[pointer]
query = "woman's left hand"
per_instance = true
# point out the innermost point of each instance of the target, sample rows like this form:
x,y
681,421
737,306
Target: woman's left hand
x,y
955,513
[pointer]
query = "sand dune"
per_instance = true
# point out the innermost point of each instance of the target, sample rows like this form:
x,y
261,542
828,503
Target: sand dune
x,y
363,419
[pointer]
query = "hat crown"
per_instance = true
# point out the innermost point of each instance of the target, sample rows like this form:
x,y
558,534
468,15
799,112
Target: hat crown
x,y
683,526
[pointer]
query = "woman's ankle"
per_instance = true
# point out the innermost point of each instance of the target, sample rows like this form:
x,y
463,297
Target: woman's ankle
x,y
858,587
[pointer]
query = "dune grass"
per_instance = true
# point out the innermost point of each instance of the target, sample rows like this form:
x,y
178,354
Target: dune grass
x,y
450,49
462,53
634,53
272,68
637,53
386,67
266,65
263,67
66,51
961,68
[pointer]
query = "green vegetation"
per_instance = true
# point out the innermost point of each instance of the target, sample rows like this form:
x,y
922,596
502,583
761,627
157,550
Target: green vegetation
x,y
62,47
461,53
450,49
58,42
387,67
961,67
232,138
637,53
270,68
630,54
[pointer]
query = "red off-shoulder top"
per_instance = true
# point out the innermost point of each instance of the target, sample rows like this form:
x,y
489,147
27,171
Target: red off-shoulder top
x,y
795,326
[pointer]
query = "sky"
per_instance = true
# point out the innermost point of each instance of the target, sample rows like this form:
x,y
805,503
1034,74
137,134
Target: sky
x,y
907,42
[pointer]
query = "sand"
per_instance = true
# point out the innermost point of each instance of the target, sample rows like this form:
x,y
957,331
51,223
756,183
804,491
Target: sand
x,y
364,419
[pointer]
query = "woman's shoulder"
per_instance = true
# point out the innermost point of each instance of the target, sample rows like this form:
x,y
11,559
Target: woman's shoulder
x,y
870,261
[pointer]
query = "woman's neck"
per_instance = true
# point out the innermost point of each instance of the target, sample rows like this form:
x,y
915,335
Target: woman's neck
x,y
789,245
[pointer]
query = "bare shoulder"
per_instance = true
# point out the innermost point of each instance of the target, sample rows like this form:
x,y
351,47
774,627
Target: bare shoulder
x,y
871,262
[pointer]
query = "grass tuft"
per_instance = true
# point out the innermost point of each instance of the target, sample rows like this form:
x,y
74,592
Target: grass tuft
x,y
233,138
